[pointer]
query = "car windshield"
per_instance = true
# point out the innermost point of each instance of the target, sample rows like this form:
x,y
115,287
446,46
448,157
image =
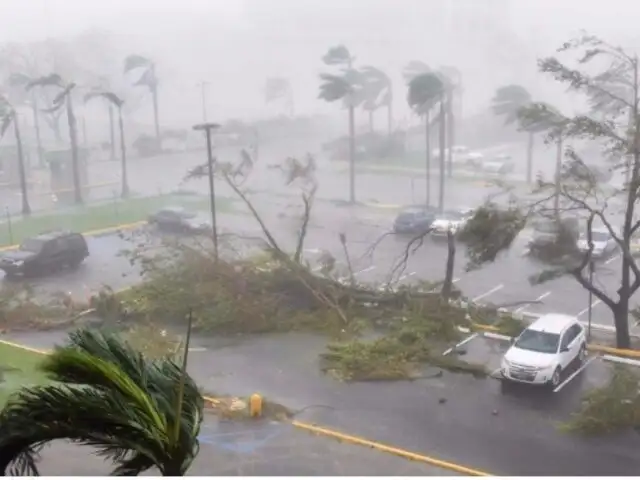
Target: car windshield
x,y
32,245
536,341
596,236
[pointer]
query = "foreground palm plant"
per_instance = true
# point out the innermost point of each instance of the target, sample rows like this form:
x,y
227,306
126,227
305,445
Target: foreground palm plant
x,y
136,412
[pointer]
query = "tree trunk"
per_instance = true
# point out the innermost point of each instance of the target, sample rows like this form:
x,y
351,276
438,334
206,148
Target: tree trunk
x,y
371,127
428,157
352,155
556,198
530,158
447,286
26,208
36,125
450,134
621,322
390,115
123,153
112,135
75,161
442,145
156,116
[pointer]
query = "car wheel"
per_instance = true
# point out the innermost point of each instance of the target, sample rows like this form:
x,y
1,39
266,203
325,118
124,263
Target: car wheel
x,y
582,354
555,378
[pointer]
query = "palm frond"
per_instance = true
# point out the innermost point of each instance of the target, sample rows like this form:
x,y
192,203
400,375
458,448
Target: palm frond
x,y
52,80
19,80
136,61
413,69
110,97
540,117
424,90
333,87
147,79
508,99
60,97
338,55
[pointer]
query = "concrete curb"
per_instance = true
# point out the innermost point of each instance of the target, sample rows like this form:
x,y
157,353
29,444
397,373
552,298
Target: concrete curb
x,y
318,430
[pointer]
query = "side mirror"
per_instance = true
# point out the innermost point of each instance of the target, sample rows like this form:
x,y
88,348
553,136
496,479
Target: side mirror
x,y
564,349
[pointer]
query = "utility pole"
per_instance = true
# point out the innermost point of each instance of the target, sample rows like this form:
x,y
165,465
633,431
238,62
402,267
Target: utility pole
x,y
208,128
203,99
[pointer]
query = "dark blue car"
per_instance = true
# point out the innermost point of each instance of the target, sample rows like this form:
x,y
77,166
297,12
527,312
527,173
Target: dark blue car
x,y
416,219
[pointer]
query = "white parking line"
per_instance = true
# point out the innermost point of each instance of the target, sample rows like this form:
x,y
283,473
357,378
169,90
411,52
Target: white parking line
x,y
458,345
454,281
406,276
585,310
574,374
540,298
490,292
612,259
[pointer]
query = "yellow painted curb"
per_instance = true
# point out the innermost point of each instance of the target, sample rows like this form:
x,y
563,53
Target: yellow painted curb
x,y
91,233
623,352
363,442
389,449
487,328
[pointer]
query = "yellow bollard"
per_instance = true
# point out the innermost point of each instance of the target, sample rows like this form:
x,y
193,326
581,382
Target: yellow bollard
x,y
255,405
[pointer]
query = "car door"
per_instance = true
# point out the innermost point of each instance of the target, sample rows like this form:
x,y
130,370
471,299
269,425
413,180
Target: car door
x,y
566,355
51,256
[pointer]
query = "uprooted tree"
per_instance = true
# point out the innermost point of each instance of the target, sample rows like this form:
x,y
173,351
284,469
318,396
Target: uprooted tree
x,y
613,121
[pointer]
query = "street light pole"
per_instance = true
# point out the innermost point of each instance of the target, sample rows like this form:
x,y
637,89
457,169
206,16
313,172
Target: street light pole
x,y
590,301
208,128
203,98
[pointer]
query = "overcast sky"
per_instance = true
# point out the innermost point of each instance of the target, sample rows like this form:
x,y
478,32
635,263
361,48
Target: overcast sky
x,y
235,44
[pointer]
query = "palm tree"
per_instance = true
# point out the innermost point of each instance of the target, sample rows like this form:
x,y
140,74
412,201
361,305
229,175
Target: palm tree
x,y
9,116
115,102
377,88
20,80
148,79
277,88
137,412
454,94
426,91
345,87
64,98
507,101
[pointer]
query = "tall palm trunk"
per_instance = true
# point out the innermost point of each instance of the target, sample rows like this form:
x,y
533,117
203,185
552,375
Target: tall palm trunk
x,y
556,199
123,154
427,132
75,160
530,158
450,134
36,125
154,98
442,143
390,114
112,135
352,155
26,208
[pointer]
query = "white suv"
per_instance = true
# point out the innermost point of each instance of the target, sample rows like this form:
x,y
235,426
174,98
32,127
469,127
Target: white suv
x,y
544,349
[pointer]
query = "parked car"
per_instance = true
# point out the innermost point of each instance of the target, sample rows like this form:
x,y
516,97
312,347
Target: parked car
x,y
45,253
546,230
603,243
179,220
416,219
544,350
498,166
453,220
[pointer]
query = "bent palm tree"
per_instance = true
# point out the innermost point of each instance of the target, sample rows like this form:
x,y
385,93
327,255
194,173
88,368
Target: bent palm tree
x,y
378,92
345,88
138,413
506,103
117,102
21,80
64,98
427,90
147,79
8,116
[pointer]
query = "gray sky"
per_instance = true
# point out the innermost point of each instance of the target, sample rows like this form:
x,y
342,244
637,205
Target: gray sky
x,y
235,44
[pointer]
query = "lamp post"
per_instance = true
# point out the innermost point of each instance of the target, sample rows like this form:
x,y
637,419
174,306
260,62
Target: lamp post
x,y
208,128
203,99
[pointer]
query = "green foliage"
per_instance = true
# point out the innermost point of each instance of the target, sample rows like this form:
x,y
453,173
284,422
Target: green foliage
x,y
106,395
425,90
508,100
338,55
490,231
413,69
612,408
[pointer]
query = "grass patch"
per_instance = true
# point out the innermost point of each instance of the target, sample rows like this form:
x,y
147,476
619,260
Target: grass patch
x,y
83,219
18,368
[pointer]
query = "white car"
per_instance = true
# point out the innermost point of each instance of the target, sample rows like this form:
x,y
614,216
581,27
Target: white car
x,y
603,243
453,220
544,350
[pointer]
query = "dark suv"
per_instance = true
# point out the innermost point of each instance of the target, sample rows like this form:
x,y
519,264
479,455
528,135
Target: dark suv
x,y
45,253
